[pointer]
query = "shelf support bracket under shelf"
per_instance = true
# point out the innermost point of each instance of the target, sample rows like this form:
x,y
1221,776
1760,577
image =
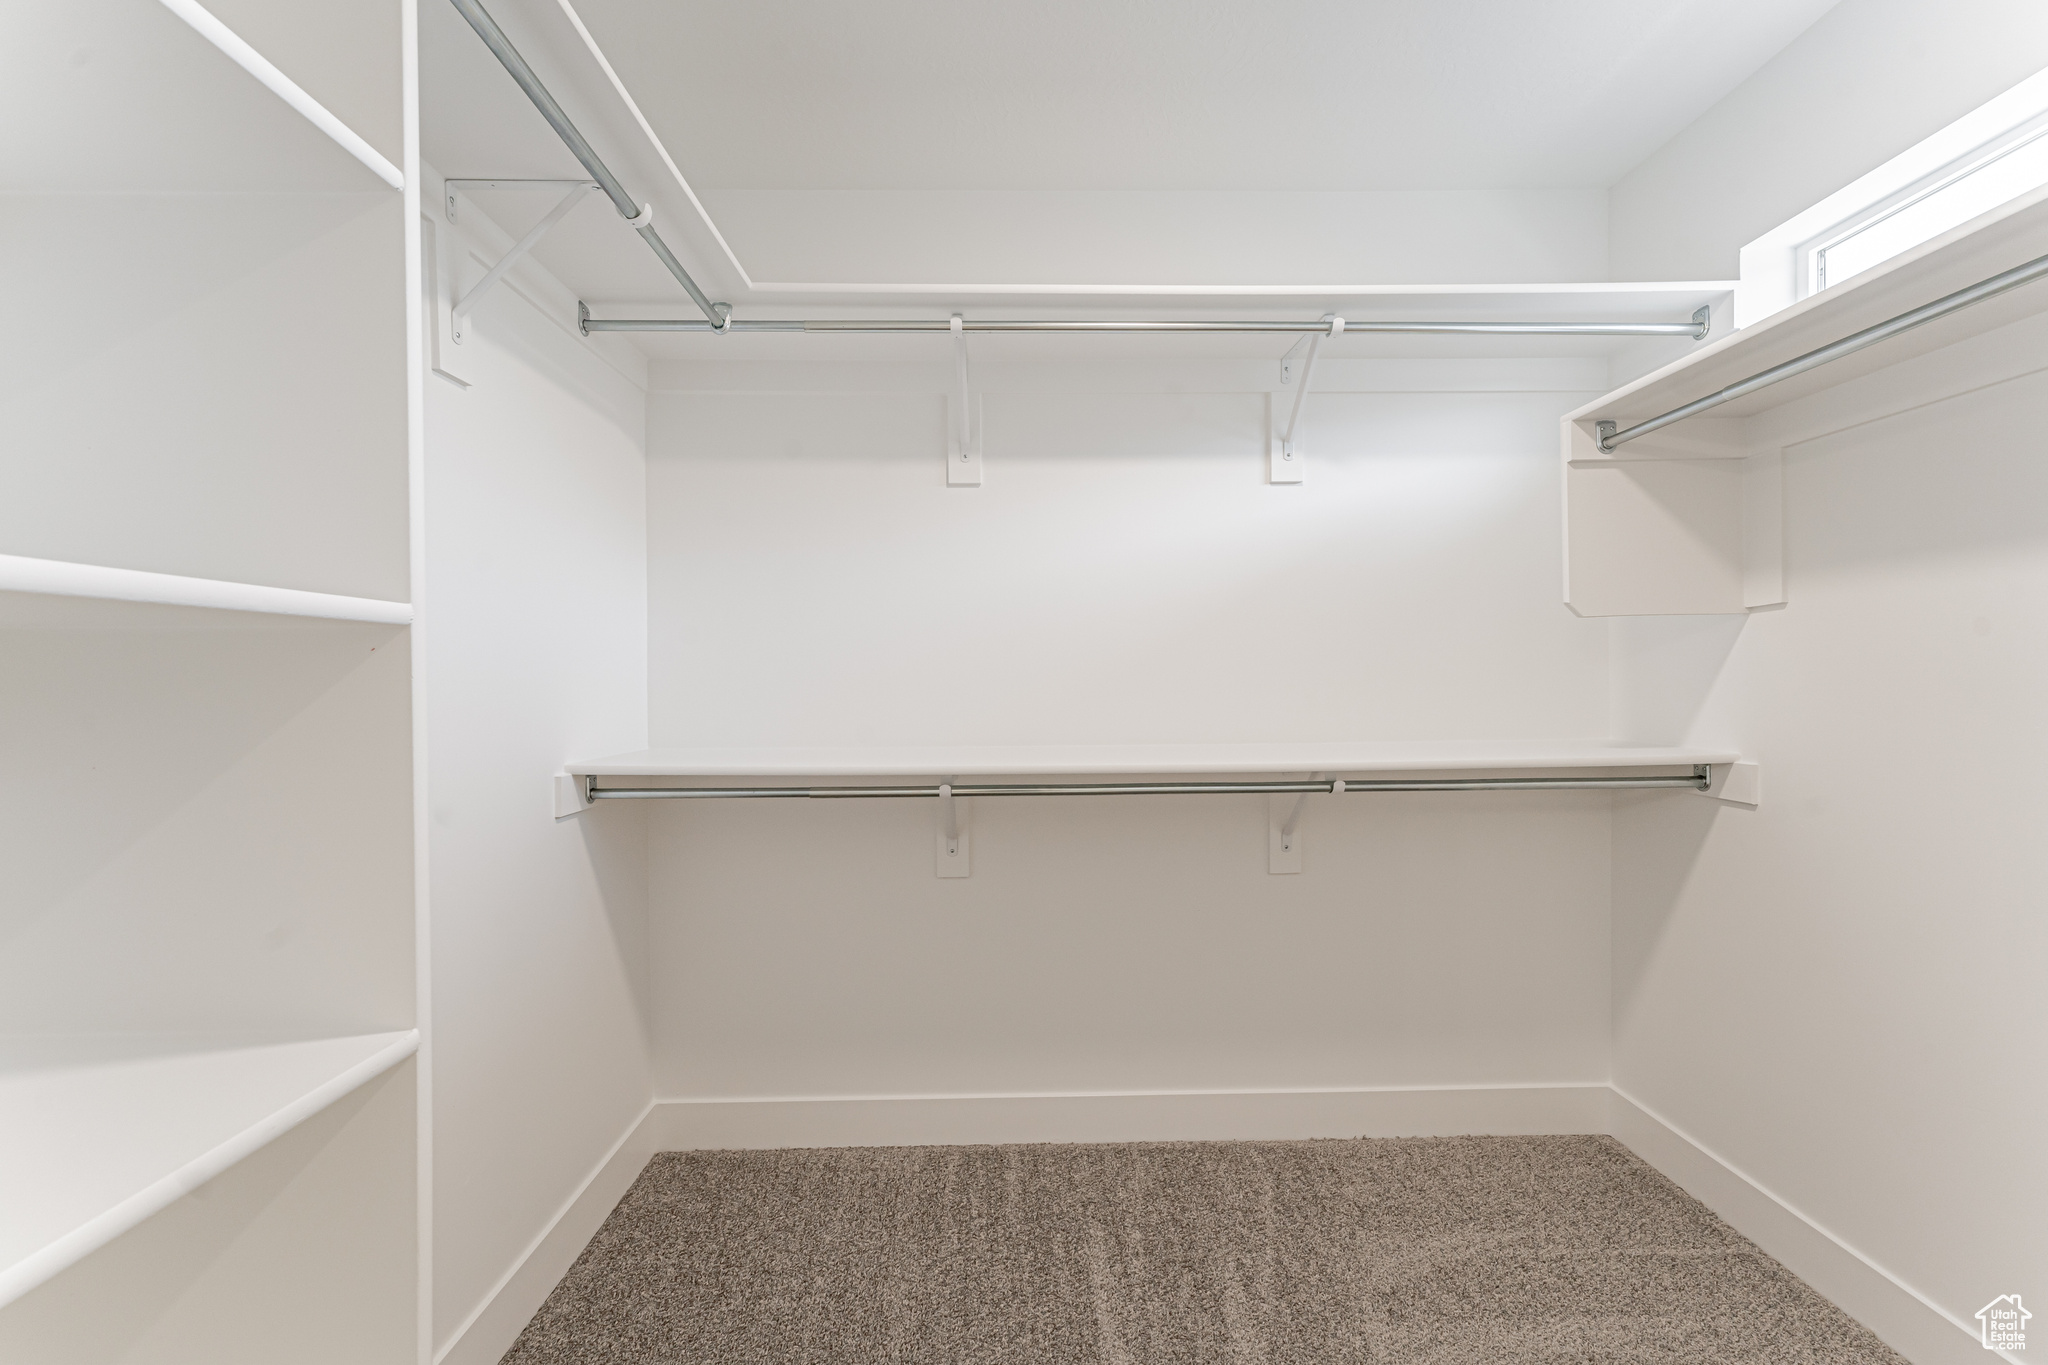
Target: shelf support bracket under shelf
x,y
572,795
963,419
459,316
1284,453
955,849
1283,828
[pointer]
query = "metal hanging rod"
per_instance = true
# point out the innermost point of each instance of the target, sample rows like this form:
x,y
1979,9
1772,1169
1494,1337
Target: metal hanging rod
x,y
1696,328
640,217
1609,437
718,316
1697,780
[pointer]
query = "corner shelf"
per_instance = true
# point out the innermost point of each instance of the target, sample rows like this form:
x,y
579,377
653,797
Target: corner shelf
x,y
1132,759
77,594
1688,520
92,1141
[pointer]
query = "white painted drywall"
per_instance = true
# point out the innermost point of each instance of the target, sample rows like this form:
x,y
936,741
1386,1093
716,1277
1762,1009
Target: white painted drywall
x,y
1126,573
1867,81
229,403
205,820
1837,991
533,629
1167,237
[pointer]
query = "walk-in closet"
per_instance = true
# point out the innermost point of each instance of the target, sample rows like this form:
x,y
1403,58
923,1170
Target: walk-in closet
x,y
987,685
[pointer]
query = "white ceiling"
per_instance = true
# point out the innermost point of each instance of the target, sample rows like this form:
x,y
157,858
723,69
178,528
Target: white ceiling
x,y
1179,94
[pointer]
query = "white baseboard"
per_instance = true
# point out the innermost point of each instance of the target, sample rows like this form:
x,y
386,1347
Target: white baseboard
x,y
931,1120
1900,1316
512,1302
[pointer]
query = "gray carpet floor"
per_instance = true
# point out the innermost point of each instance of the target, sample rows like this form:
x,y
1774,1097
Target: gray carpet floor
x,y
1503,1250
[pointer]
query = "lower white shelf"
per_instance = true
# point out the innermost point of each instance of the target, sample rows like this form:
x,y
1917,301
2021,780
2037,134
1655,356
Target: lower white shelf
x,y
93,1141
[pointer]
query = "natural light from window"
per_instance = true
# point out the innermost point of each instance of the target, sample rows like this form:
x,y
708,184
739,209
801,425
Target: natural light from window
x,y
1996,153
1999,174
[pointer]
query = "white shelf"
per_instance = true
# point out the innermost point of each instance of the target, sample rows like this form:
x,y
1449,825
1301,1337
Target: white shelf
x,y
1113,759
1999,240
93,1140
210,126
55,579
1689,519
1654,302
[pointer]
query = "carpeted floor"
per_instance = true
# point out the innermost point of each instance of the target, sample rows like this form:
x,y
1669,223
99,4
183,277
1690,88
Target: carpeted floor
x,y
1510,1251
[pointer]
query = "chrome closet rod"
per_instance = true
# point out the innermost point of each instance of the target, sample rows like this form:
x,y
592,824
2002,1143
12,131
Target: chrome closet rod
x,y
1697,780
1696,329
636,215
1997,284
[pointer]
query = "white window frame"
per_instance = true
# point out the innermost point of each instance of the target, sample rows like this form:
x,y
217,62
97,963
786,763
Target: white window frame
x,y
1813,252
1778,268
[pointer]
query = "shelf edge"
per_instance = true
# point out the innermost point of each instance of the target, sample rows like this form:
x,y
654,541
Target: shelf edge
x,y
639,765
238,51
1928,256
74,1246
61,578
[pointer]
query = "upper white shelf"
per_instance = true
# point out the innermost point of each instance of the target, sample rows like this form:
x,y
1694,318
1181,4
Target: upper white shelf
x,y
49,592
92,1143
1997,241
1114,759
143,97
1628,302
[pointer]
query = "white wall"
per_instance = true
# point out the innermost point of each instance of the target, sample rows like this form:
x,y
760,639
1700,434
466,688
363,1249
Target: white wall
x,y
1167,237
534,643
1837,991
1126,573
1867,81
229,403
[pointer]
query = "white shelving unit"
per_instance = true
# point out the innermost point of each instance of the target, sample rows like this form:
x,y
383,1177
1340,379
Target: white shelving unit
x,y
215,382
51,590
207,1008
94,1144
1688,520
1133,759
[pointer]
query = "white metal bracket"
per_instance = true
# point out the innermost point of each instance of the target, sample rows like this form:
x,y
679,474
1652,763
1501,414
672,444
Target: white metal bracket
x,y
1741,784
963,421
1283,830
572,795
458,317
1284,453
955,835
439,255
1290,364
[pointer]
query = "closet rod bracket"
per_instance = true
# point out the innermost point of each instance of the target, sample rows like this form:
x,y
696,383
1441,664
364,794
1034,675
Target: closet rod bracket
x,y
459,316
1287,461
954,851
963,417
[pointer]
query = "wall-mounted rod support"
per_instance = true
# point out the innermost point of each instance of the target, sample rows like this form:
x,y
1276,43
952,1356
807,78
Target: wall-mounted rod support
x,y
1293,820
1609,437
1697,780
1335,327
468,302
1319,327
638,215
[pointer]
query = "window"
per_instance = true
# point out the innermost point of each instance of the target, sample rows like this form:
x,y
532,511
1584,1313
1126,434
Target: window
x,y
1988,157
1987,177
